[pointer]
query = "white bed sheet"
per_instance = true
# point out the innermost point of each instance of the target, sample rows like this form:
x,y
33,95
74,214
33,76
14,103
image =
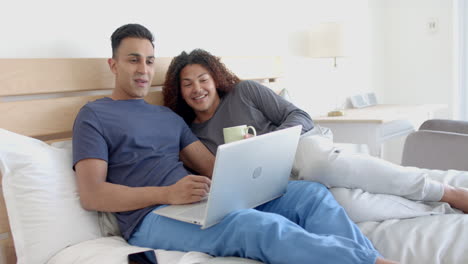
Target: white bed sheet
x,y
437,239
114,250
429,233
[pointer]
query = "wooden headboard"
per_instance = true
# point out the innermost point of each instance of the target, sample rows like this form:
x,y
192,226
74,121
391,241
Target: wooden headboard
x,y
41,97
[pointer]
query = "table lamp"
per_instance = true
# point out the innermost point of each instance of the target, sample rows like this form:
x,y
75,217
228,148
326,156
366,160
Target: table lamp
x,y
326,41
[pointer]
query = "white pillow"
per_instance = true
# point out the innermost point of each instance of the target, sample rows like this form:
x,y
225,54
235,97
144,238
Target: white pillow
x,y
107,221
285,94
41,197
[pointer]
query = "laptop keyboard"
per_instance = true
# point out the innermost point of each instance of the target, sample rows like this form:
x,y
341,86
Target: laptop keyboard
x,y
197,212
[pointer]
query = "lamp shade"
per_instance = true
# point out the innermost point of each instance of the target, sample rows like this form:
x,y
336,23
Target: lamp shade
x,y
326,40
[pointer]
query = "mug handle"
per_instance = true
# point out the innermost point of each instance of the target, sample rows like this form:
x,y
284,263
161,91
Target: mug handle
x,y
253,129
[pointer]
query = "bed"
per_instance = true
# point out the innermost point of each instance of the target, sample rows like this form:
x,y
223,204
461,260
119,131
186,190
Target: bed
x,y
41,220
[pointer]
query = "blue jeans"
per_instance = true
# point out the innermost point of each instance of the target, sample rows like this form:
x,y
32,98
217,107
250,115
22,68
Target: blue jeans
x,y
305,225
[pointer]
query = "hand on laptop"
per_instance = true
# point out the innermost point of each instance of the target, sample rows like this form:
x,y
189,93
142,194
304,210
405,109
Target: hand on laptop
x,y
190,189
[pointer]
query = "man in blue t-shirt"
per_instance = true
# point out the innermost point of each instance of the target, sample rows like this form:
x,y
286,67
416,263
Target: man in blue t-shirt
x,y
129,158
126,151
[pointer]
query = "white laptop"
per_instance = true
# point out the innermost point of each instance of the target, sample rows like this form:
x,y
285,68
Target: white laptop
x,y
247,173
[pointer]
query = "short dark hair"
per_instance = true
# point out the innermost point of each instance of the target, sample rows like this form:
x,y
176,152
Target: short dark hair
x,y
129,31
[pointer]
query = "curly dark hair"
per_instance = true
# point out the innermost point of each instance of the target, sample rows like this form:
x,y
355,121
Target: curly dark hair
x,y
223,78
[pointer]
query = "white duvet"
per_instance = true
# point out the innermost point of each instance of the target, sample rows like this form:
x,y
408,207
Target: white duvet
x,y
423,233
426,239
438,235
400,229
115,250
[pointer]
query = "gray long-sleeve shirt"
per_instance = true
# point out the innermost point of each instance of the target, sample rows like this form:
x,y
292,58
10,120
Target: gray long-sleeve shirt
x,y
252,104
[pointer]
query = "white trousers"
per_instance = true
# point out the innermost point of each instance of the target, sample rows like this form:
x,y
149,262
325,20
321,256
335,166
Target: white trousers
x,y
372,189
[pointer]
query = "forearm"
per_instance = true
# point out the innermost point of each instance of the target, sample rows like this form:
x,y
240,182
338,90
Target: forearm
x,y
280,112
199,158
297,117
109,197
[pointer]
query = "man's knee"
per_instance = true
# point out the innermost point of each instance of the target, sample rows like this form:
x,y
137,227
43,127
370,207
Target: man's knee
x,y
308,186
251,220
309,189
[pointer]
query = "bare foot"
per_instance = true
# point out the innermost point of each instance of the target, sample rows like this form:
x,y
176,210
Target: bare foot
x,y
385,261
456,197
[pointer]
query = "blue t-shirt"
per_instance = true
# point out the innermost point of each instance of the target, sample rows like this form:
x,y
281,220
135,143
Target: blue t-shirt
x,y
140,142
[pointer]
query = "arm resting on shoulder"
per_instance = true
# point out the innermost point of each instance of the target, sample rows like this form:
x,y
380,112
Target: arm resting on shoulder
x,y
198,157
99,195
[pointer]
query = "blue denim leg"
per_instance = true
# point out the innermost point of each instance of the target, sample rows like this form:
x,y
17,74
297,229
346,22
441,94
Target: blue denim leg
x,y
268,237
313,207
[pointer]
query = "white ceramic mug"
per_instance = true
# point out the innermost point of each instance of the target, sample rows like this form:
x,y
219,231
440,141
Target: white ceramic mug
x,y
235,133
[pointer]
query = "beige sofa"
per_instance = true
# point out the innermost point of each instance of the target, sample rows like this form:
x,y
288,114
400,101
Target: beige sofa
x,y
438,144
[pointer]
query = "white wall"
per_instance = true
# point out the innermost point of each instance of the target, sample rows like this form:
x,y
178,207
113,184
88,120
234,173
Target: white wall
x,y
316,82
55,28
413,65
390,49
462,18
